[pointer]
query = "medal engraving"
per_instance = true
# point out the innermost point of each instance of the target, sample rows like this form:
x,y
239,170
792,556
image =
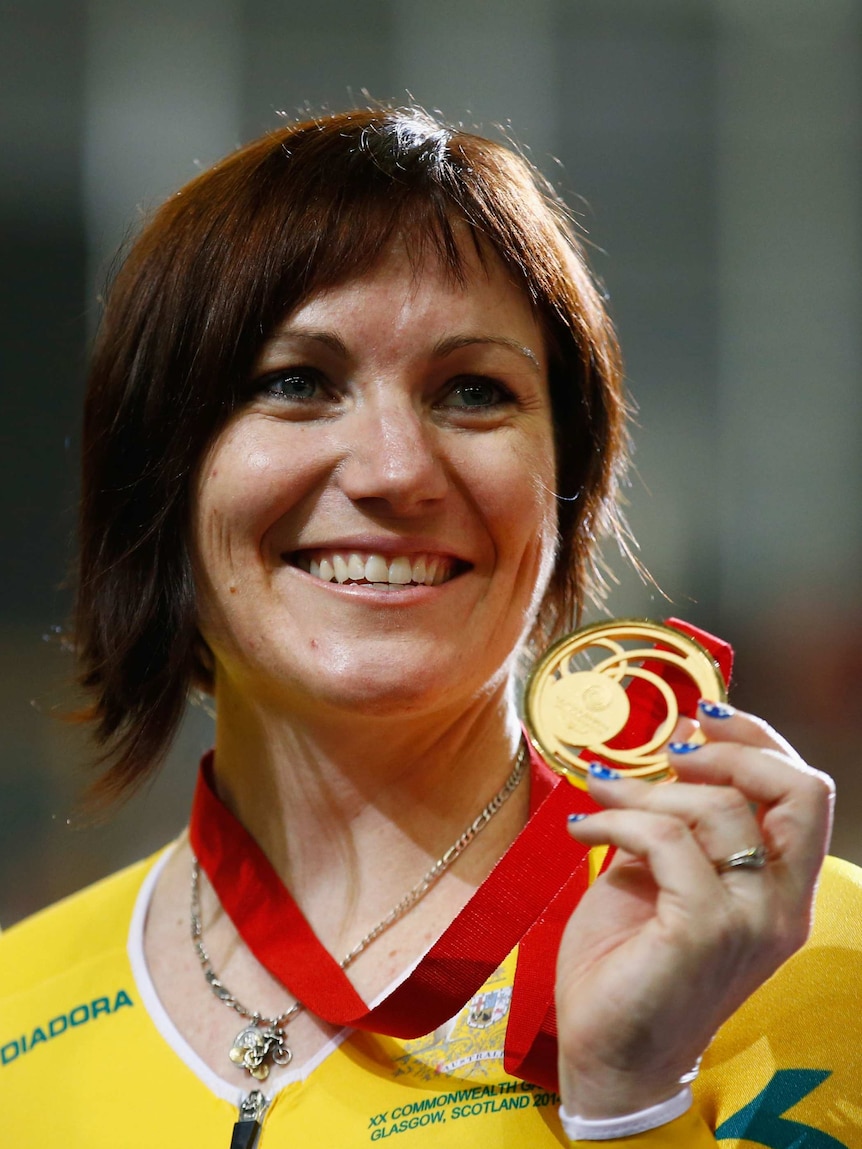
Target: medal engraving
x,y
608,692
589,707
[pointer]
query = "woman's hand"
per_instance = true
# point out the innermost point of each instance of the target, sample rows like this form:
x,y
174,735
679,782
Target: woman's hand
x,y
663,948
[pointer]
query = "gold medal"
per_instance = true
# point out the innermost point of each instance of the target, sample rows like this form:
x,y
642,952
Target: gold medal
x,y
578,700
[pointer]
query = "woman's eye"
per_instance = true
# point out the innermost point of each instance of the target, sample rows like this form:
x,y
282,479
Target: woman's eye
x,y
296,384
474,392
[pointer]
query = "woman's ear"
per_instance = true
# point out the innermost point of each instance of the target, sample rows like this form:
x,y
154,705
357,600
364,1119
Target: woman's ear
x,y
203,666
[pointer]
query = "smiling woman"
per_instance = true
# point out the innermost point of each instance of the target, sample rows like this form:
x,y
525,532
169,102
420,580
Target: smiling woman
x,y
399,424
218,290
354,430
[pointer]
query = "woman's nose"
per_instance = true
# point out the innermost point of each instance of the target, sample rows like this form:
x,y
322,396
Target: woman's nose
x,y
394,457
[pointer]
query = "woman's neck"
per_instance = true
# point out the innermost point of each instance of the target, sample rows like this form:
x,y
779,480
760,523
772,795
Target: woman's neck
x,y
352,813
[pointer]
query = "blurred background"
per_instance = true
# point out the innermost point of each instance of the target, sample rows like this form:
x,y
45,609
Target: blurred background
x,y
711,151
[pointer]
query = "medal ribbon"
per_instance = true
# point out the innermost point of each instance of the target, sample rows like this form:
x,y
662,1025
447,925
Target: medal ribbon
x,y
540,862
525,901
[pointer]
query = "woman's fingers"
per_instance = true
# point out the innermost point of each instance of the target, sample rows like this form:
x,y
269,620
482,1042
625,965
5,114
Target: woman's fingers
x,y
723,723
719,817
675,858
668,942
685,729
684,836
743,788
744,753
794,800
734,740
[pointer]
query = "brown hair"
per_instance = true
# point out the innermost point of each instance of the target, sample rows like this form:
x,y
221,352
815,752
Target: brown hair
x,y
219,265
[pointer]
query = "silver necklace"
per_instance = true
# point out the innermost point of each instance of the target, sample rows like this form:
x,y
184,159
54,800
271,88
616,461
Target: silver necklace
x,y
263,1040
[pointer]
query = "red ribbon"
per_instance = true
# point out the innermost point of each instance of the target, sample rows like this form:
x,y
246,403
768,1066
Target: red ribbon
x,y
525,901
490,925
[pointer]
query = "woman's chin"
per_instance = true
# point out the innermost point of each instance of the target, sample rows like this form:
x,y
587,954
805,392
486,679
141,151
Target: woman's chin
x,y
367,674
368,691
384,695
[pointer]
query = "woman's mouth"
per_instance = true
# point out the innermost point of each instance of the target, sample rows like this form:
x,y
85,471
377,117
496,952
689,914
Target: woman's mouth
x,y
379,571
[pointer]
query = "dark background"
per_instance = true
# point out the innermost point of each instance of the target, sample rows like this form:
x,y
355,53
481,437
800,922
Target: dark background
x,y
711,149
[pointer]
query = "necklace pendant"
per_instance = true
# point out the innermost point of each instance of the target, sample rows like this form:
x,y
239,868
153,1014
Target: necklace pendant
x,y
255,1046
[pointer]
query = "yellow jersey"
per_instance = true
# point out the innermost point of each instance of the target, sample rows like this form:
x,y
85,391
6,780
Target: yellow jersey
x,y
90,1060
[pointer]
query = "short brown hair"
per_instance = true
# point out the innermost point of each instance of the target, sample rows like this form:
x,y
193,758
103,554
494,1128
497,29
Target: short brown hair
x,y
216,269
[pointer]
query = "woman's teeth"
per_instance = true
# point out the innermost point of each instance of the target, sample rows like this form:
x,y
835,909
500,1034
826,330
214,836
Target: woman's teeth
x,y
420,570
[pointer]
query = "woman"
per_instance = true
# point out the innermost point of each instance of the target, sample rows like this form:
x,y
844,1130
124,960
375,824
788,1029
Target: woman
x,y
355,423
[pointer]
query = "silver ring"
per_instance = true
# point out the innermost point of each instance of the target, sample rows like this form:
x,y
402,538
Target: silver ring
x,y
754,858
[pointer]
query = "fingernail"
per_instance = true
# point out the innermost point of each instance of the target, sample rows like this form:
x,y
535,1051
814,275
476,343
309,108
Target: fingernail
x,y
577,818
599,770
683,747
715,709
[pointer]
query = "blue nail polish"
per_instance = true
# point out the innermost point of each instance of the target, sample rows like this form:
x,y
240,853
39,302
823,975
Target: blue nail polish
x,y
715,709
599,770
577,818
683,747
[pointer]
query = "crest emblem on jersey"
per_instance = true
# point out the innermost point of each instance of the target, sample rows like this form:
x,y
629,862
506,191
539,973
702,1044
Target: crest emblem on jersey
x,y
486,1008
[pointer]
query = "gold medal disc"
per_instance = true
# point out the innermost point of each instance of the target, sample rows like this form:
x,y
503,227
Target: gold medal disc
x,y
578,700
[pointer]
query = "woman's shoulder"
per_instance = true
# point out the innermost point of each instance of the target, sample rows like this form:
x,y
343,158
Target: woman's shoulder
x,y
793,1045
828,967
71,932
835,942
838,907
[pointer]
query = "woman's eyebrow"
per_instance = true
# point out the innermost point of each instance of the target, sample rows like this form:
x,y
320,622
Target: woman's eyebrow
x,y
289,335
456,342
442,348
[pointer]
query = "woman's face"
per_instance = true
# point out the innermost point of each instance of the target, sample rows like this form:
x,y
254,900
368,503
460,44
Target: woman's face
x,y
376,526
